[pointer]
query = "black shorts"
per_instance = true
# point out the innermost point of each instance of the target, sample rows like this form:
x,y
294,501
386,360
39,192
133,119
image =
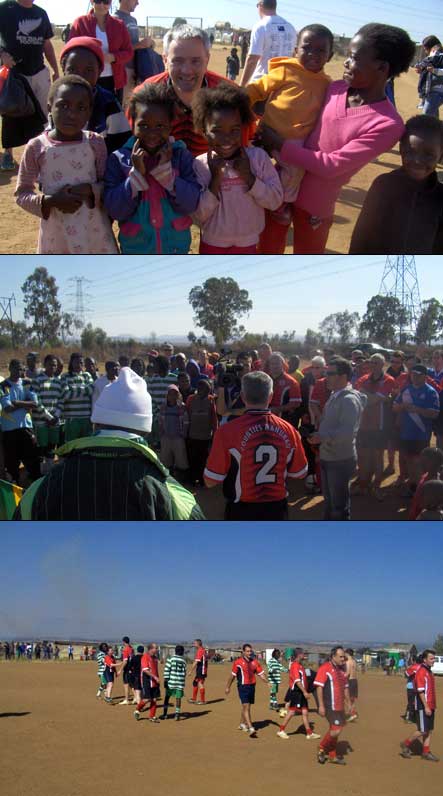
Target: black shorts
x,y
246,694
413,447
134,682
150,691
336,718
353,688
126,676
372,440
272,511
424,723
297,700
109,675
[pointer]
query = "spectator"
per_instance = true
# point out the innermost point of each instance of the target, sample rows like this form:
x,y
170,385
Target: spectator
x,y
431,80
202,425
126,7
17,400
173,430
112,370
272,37
286,394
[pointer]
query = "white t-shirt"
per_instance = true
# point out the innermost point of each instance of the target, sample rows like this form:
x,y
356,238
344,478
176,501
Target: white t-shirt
x,y
271,37
101,35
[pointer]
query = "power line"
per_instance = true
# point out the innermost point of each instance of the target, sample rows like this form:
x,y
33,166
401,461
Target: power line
x,y
400,281
80,308
6,303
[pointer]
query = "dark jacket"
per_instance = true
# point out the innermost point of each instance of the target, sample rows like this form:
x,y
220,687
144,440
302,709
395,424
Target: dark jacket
x,y
400,216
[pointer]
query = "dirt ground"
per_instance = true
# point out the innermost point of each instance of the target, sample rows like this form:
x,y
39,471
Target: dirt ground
x,y
57,738
18,231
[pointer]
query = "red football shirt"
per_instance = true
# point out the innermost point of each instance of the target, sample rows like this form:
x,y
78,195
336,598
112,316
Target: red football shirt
x,y
253,455
286,392
334,681
373,416
425,684
201,659
149,666
411,671
245,671
297,674
109,660
320,393
127,652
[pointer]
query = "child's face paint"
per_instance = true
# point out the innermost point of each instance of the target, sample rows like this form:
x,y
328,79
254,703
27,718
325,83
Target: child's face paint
x,y
223,132
313,51
152,127
84,63
420,154
71,109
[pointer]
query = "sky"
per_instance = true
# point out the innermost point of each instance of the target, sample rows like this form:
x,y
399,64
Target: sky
x,y
301,581
138,295
419,18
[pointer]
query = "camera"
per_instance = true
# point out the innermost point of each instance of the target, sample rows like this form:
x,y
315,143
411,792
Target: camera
x,y
227,374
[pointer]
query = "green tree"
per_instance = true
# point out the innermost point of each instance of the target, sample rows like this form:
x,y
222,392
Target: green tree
x,y
67,326
328,327
93,338
430,322
13,336
218,305
42,307
383,316
312,339
438,644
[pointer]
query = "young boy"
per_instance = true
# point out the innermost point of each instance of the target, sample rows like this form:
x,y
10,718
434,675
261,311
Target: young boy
x,y
202,425
403,209
174,677
232,65
294,90
101,654
431,464
173,423
275,668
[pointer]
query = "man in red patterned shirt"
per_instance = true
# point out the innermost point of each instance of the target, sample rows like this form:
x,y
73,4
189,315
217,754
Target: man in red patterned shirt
x,y
200,667
333,703
286,393
298,696
127,653
425,705
244,670
150,682
254,455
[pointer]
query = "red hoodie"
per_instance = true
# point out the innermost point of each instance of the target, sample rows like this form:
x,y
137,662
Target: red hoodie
x,y
118,39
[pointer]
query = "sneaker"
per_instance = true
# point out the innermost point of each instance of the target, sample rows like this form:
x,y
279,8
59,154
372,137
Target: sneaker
x,y
352,717
405,750
283,713
243,727
108,700
163,716
252,732
137,715
98,694
134,701
192,701
7,162
314,735
155,720
337,761
431,757
321,757
124,702
201,703
283,734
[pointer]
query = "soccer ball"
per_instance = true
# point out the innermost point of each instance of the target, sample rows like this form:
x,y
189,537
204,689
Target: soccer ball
x,y
311,484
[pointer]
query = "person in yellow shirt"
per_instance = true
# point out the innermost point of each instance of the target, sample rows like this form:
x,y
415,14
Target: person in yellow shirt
x,y
294,90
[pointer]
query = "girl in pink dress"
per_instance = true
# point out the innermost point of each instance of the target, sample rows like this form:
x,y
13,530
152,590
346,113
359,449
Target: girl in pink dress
x,y
68,164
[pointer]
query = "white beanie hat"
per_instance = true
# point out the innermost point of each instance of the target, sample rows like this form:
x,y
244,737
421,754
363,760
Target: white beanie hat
x,y
125,403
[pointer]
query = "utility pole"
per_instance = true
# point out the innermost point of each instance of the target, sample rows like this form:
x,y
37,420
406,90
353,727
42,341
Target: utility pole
x,y
6,303
80,297
400,280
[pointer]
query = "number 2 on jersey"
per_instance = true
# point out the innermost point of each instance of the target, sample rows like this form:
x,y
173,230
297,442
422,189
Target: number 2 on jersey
x,y
268,454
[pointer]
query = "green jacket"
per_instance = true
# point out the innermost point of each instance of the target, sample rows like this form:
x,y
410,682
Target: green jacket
x,y
108,478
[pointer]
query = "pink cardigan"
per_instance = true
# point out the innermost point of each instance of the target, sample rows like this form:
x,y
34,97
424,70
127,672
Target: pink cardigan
x,y
342,142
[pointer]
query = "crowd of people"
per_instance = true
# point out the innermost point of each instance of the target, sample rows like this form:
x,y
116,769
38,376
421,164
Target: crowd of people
x,y
243,162
136,441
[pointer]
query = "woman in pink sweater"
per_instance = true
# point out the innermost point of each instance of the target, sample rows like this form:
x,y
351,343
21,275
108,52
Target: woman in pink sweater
x,y
357,124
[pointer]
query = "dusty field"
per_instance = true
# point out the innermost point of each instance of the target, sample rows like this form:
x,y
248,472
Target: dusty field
x,y
18,231
57,738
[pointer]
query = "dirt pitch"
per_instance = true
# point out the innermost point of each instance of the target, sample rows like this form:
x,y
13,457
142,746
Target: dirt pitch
x,y
18,230
57,738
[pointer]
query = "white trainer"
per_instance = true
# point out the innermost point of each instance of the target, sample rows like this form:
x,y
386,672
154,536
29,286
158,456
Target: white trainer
x,y
283,734
313,735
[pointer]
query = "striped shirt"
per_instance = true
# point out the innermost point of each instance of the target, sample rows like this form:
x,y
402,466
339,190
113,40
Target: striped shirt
x,y
100,662
48,390
76,398
275,669
158,387
175,672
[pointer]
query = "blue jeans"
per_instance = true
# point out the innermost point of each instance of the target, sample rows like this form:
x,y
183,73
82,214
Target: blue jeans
x,y
335,481
432,103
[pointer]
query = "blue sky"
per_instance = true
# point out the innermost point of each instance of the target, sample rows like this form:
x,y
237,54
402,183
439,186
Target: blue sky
x,y
222,581
138,295
419,18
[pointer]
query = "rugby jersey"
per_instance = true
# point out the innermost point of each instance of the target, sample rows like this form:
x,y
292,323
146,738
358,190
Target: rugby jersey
x,y
76,397
425,684
320,393
48,390
411,671
334,681
109,662
253,455
149,669
158,388
127,652
297,674
175,672
201,659
285,392
245,671
100,662
275,669
373,417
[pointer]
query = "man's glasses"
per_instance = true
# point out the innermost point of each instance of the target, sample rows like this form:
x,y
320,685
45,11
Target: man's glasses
x,y
102,2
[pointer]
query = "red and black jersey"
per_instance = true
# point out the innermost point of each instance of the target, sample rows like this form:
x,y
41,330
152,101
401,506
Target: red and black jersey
x,y
149,668
411,671
253,455
297,676
245,671
285,392
425,684
334,682
127,652
201,659
373,417
319,394
109,662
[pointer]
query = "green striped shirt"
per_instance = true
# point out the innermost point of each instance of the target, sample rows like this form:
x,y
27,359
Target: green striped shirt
x,y
76,398
175,672
275,669
158,387
48,390
101,662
